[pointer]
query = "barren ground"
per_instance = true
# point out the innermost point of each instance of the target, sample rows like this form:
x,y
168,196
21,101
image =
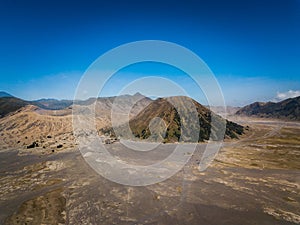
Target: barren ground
x,y
254,180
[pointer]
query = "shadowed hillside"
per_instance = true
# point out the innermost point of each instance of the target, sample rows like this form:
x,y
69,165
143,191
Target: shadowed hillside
x,y
288,109
10,104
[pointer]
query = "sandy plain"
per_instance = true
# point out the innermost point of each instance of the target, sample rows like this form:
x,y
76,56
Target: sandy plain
x,y
253,180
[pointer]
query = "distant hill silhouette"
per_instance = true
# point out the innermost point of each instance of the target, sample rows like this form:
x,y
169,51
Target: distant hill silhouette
x,y
52,104
106,102
288,109
5,94
9,103
164,109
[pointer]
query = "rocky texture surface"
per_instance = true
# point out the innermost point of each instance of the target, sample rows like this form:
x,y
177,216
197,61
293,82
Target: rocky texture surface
x,y
175,119
254,180
288,109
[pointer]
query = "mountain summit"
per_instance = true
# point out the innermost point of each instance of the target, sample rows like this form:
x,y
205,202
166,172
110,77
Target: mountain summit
x,y
171,120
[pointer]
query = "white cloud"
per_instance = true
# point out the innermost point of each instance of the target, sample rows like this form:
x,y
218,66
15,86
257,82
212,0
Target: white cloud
x,y
289,94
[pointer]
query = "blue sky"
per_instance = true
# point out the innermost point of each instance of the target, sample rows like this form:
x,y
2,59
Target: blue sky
x,y
252,47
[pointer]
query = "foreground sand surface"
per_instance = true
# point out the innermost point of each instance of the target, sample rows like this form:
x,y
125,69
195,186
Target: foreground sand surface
x,y
253,180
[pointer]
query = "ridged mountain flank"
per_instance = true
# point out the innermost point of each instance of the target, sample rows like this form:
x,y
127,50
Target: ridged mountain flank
x,y
176,119
288,109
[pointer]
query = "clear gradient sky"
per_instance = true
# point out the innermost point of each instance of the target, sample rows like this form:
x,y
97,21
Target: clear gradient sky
x,y
253,47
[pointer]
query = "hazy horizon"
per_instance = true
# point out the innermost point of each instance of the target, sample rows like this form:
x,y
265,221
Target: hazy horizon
x,y
283,96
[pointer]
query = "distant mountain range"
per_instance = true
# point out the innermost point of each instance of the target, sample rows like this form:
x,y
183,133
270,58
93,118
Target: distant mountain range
x,y
9,103
52,104
146,109
27,123
288,109
143,111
